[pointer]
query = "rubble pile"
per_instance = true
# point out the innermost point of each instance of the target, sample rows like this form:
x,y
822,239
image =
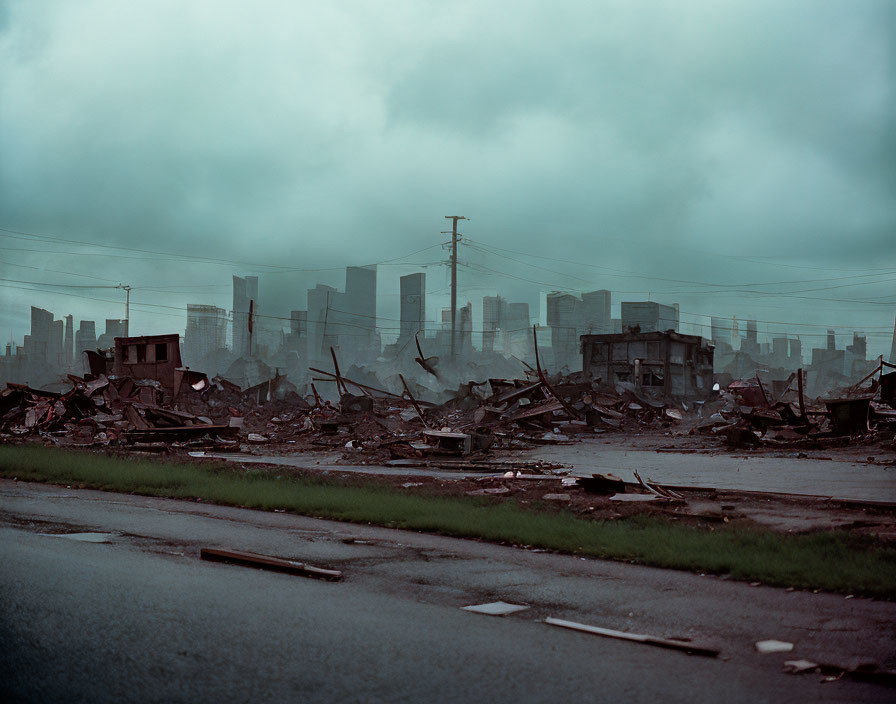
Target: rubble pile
x,y
477,419
480,417
114,410
745,415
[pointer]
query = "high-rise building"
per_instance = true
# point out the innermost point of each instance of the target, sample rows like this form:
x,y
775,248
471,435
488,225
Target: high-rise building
x,y
298,322
85,337
37,344
296,340
750,343
856,354
720,331
596,318
206,332
649,316
494,315
413,305
564,320
358,310
322,332
518,332
893,346
464,333
245,295
114,328
56,352
780,350
68,349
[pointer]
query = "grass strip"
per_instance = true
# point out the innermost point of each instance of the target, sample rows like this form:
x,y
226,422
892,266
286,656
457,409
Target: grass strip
x,y
831,560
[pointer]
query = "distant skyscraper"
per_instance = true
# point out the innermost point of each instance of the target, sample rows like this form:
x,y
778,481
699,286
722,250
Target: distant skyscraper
x,y
206,332
37,345
298,322
750,343
321,330
359,301
85,338
893,346
518,333
494,315
245,292
796,352
649,316
68,351
464,333
56,355
413,305
721,330
114,328
564,319
596,312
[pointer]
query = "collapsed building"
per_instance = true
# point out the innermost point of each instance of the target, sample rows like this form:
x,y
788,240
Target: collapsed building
x,y
150,357
667,364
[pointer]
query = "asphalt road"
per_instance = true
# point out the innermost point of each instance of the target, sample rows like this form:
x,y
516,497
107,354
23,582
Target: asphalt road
x,y
141,618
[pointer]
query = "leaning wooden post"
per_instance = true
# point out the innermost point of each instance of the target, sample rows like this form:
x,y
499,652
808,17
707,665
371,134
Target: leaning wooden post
x,y
414,401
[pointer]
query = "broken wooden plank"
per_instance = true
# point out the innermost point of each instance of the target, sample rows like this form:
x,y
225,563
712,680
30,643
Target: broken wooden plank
x,y
355,383
508,397
573,413
533,410
424,361
267,562
684,646
172,434
649,489
413,401
340,384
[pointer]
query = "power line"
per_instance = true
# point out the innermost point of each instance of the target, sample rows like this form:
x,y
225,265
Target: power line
x,y
31,236
712,289
55,271
633,274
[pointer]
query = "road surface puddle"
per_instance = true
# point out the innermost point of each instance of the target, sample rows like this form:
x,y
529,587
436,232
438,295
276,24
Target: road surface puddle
x,y
84,537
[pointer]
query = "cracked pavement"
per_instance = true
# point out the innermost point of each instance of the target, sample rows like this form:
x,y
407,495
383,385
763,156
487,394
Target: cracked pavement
x,y
142,618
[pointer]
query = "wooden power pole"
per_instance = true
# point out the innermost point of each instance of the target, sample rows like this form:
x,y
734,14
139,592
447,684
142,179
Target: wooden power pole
x,y
454,240
127,309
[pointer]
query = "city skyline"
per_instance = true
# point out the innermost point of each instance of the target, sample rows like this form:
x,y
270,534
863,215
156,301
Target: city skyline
x,y
218,342
156,317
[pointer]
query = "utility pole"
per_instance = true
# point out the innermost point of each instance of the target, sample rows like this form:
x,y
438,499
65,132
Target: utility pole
x,y
127,309
454,240
251,323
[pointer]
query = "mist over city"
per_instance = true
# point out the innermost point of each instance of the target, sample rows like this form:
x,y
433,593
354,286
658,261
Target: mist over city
x,y
614,281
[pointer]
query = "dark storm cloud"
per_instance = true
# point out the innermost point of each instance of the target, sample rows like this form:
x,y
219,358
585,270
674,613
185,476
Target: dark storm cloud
x,y
627,134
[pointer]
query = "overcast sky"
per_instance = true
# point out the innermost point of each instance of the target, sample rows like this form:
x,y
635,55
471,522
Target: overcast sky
x,y
685,151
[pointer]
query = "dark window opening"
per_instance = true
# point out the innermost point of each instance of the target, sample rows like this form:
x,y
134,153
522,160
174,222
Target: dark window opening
x,y
651,379
162,352
141,353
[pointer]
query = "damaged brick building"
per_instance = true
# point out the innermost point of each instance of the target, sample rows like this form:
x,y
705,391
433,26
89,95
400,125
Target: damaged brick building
x,y
149,357
667,364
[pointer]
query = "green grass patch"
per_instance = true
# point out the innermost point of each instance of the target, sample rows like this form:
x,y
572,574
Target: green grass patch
x,y
832,560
